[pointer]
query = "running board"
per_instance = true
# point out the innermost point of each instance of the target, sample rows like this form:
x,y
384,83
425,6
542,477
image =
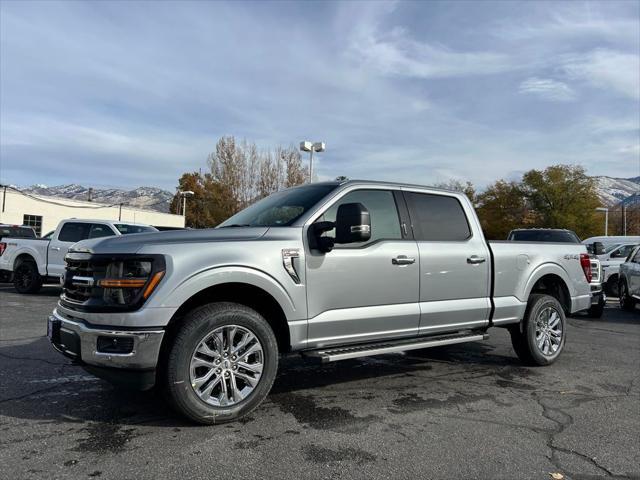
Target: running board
x,y
343,353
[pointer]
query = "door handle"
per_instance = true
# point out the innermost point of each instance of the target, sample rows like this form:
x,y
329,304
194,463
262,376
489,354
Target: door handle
x,y
403,260
474,259
57,249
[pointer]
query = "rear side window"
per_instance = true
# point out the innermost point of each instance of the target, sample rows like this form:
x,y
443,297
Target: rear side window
x,y
437,217
74,232
98,230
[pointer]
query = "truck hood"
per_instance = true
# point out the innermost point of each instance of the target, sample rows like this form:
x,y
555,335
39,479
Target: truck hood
x,y
133,242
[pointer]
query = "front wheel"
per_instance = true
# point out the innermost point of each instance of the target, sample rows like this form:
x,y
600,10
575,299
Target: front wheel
x,y
222,363
541,337
626,302
26,278
612,286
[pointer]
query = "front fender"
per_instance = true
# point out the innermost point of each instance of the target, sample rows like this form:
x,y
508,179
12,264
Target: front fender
x,y
213,276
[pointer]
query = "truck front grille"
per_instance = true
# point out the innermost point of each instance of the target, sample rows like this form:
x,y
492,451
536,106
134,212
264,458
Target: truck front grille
x,y
80,280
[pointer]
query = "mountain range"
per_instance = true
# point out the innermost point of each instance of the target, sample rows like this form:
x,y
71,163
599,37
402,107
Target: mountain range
x,y
610,190
150,198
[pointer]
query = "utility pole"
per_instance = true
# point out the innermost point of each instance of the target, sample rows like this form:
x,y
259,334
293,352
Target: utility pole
x,y
120,212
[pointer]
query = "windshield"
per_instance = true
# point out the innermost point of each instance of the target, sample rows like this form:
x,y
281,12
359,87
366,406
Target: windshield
x,y
559,236
281,208
126,229
609,248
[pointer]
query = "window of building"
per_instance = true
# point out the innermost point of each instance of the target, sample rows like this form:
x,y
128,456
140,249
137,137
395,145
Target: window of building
x,y
437,217
34,221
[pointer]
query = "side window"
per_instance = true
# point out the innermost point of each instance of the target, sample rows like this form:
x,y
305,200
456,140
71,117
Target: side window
x,y
385,224
74,232
98,231
437,217
636,259
623,252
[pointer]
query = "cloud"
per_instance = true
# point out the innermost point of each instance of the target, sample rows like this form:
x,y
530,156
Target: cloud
x,y
548,89
395,52
607,69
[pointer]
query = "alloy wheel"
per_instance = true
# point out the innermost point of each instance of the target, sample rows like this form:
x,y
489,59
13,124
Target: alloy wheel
x,y
226,366
548,331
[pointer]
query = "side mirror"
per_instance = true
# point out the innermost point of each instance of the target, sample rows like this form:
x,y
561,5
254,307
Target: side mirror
x,y
598,248
353,223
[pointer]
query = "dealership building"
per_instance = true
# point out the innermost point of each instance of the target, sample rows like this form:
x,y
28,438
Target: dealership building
x,y
44,213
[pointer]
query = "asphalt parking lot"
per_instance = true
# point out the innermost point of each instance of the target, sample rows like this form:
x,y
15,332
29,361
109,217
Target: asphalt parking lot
x,y
469,411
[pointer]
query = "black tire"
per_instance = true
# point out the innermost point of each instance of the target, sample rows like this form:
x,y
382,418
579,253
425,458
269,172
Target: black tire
x,y
523,337
26,278
626,301
596,310
195,327
612,286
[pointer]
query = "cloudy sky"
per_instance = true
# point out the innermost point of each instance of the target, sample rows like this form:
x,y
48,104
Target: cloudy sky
x,y
128,94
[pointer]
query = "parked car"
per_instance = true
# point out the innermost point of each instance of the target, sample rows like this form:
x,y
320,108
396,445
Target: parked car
x,y
629,282
558,235
12,231
331,270
611,260
32,261
609,240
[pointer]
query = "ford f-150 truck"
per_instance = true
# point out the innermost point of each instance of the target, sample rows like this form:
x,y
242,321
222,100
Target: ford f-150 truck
x,y
30,262
332,270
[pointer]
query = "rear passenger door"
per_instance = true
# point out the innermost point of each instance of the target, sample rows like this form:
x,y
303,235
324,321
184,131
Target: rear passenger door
x,y
454,263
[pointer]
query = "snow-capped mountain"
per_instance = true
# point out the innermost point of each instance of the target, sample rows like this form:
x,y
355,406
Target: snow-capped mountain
x,y
614,190
142,197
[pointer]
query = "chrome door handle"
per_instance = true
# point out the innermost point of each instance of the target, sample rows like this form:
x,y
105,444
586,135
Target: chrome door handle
x,y
474,259
403,260
57,249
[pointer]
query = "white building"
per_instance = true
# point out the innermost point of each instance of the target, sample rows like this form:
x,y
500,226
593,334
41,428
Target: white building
x,y
44,213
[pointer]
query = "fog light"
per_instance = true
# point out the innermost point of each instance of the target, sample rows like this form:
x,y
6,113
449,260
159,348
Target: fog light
x,y
121,345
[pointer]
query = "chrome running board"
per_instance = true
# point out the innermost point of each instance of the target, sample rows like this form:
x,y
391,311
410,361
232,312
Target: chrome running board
x,y
334,354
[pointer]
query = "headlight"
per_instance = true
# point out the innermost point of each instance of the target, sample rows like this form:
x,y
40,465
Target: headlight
x,y
127,281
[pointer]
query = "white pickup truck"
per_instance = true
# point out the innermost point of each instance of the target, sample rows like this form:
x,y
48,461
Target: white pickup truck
x,y
31,262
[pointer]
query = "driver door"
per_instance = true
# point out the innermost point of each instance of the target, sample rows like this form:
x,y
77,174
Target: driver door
x,y
362,292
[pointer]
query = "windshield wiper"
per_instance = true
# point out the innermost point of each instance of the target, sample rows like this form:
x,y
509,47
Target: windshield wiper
x,y
235,225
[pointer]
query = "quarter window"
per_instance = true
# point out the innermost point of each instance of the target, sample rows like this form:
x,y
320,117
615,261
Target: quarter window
x,y
34,221
74,232
385,224
437,217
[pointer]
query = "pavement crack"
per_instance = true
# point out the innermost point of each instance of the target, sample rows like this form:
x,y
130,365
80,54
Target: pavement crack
x,y
564,420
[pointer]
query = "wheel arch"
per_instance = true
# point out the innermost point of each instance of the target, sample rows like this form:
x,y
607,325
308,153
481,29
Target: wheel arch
x,y
553,284
246,294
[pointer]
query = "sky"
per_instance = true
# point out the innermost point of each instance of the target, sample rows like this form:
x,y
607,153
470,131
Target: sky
x,y
127,94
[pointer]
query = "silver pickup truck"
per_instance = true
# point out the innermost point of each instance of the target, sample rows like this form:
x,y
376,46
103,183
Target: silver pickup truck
x,y
332,271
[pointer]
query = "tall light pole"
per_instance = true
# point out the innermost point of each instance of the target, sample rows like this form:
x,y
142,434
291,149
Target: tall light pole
x,y
184,195
606,219
312,147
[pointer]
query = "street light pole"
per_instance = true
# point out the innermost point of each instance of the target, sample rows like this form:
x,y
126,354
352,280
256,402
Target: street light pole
x,y
606,219
184,195
312,147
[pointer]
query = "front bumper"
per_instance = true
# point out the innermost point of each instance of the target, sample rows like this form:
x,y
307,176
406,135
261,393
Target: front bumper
x,y
79,341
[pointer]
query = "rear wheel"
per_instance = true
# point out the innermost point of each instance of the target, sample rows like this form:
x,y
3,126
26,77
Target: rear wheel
x,y
597,310
612,286
541,337
222,363
626,302
26,278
